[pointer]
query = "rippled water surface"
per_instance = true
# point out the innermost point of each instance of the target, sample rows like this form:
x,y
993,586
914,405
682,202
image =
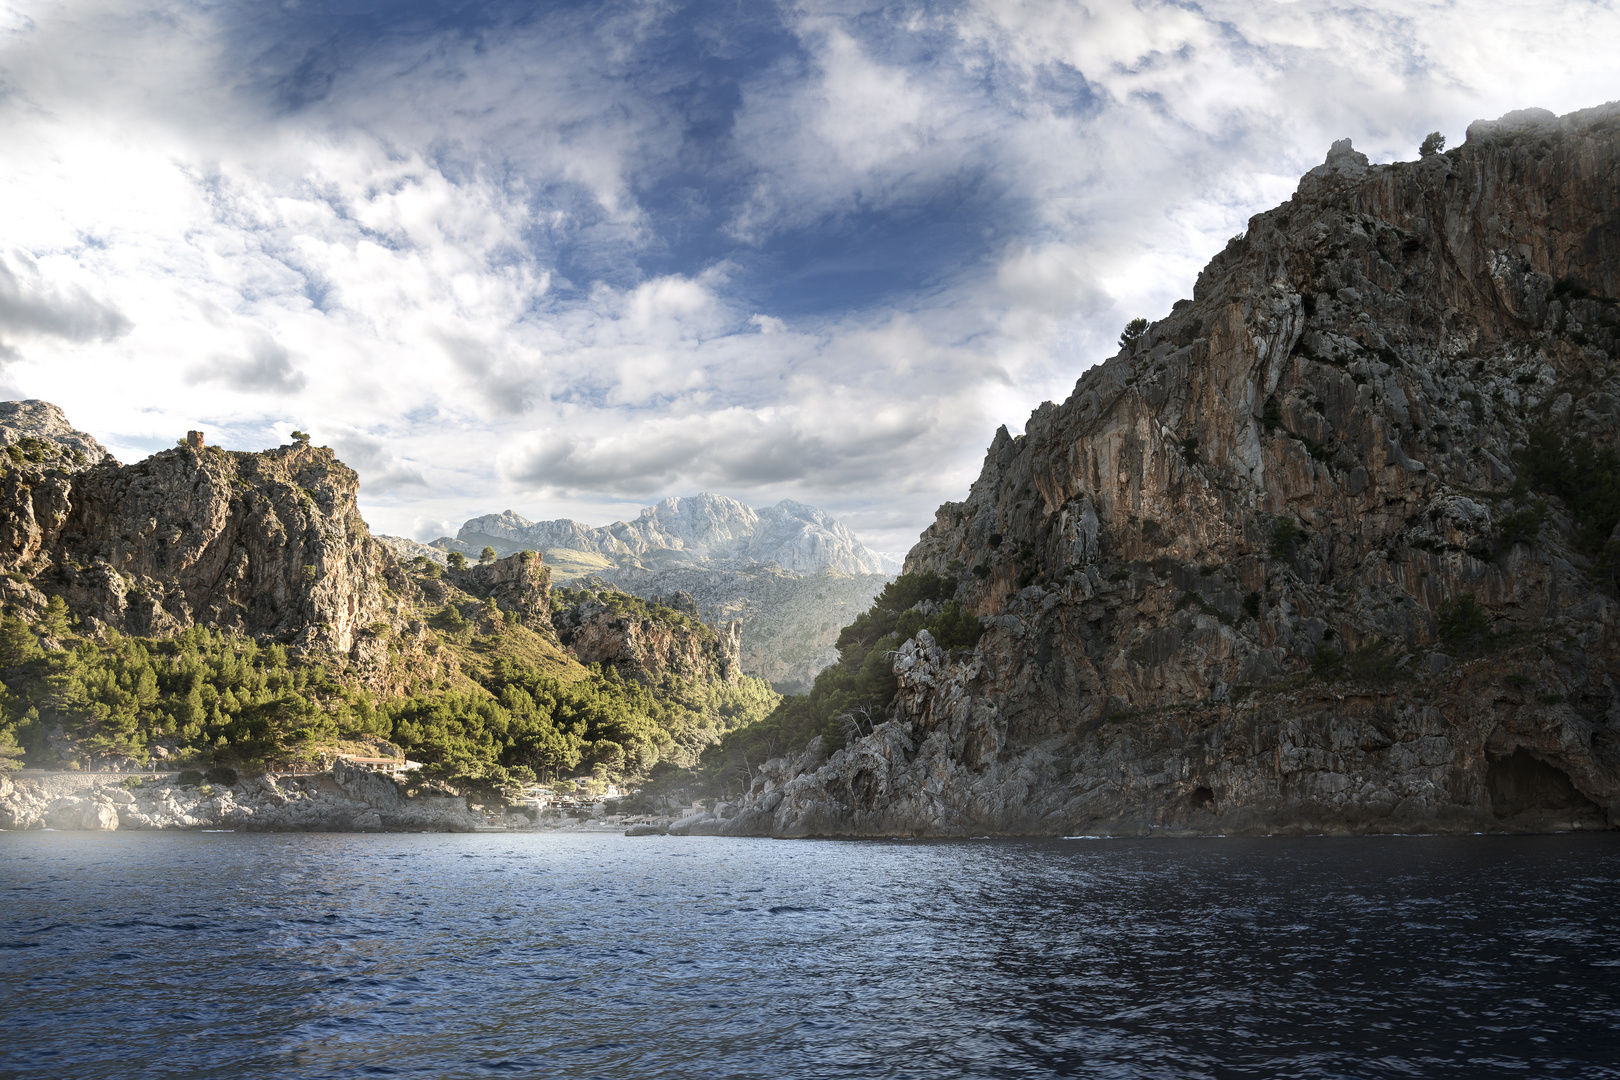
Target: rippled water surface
x,y
237,955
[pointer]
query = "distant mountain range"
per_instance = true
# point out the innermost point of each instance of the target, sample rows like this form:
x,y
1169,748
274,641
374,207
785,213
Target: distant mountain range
x,y
690,531
791,573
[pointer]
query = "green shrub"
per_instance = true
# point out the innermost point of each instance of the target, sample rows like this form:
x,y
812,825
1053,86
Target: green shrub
x,y
1371,664
458,561
1464,625
18,645
1284,535
223,775
1271,417
189,778
55,620
1583,474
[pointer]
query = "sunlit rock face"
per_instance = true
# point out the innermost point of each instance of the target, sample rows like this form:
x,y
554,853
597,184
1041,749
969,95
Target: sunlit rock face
x,y
650,646
24,425
684,531
269,544
1225,582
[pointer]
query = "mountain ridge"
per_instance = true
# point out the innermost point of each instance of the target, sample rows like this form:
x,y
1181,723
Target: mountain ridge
x,y
684,530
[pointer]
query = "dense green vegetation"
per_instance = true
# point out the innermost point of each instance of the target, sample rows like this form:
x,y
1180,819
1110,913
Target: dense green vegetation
x,y
221,700
215,696
849,697
1583,474
528,724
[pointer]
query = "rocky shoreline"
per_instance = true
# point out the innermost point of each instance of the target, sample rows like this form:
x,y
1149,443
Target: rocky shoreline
x,y
346,799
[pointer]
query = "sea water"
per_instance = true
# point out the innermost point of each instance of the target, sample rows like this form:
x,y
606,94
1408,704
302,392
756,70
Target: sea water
x,y
239,955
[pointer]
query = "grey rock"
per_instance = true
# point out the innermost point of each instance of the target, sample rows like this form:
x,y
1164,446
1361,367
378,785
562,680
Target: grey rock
x,y
43,421
1104,712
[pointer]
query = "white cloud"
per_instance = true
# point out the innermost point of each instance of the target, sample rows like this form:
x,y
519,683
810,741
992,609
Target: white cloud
x,y
32,305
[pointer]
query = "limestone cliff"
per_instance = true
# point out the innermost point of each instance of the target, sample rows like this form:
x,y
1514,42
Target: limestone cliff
x,y
1327,548
268,544
38,431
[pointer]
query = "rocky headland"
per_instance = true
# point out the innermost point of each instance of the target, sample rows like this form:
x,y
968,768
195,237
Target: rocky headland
x,y
231,609
1332,547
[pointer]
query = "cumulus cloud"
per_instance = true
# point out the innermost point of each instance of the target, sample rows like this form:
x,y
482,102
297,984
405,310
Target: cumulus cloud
x,y
33,305
836,443
265,367
381,469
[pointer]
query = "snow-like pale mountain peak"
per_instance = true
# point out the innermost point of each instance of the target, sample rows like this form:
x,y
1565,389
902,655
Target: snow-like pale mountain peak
x,y
693,529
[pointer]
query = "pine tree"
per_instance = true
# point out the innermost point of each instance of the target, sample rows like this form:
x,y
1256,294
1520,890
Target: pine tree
x,y
17,643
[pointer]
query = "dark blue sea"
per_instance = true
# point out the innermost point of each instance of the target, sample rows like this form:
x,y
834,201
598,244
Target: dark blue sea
x,y
237,955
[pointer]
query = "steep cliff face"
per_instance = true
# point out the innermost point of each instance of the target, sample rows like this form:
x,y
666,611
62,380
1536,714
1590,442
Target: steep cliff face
x,y
267,544
1327,548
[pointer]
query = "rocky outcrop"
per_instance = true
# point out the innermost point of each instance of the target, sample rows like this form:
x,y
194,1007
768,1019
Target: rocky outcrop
x,y
519,583
792,575
601,625
1282,563
38,432
406,550
347,799
268,544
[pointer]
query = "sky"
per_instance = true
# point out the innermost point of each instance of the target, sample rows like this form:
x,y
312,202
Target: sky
x,y
570,259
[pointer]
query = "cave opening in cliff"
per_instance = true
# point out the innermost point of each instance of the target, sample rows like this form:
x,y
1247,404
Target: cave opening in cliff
x,y
1203,798
1524,787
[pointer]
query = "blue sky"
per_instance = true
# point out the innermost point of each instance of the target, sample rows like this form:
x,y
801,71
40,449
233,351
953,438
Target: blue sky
x,y
568,259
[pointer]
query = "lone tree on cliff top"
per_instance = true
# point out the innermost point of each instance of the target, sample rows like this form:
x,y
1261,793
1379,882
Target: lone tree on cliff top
x,y
1133,332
